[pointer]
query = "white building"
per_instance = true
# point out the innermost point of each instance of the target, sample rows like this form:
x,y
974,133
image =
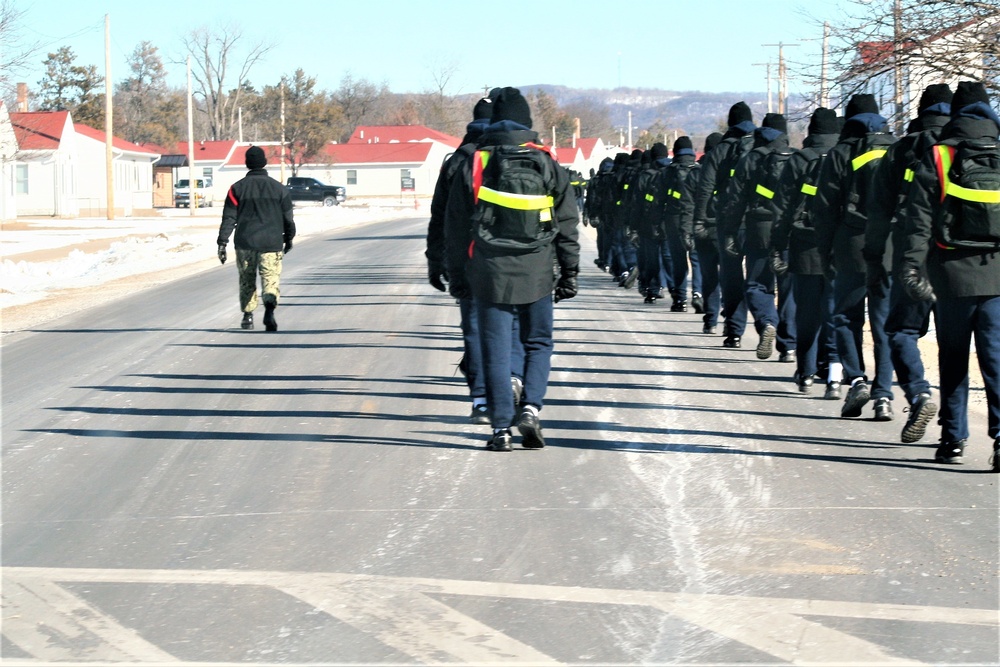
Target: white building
x,y
8,152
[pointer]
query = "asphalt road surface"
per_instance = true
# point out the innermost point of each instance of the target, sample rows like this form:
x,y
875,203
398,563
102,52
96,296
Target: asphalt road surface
x,y
177,490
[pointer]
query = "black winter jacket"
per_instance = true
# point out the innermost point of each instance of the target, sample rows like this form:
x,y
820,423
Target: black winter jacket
x,y
952,272
496,276
717,168
259,208
793,230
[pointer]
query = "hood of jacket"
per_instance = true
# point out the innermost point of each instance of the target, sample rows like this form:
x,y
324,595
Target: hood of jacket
x,y
474,130
979,110
740,129
768,136
498,134
967,127
506,126
862,124
821,142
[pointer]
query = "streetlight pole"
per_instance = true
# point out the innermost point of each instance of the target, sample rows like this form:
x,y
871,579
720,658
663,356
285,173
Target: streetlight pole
x,y
782,77
768,66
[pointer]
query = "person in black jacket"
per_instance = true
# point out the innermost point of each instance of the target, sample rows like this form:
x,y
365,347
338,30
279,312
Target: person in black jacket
x,y
705,242
793,251
716,171
748,205
510,278
259,208
598,191
841,217
680,180
648,216
964,279
908,319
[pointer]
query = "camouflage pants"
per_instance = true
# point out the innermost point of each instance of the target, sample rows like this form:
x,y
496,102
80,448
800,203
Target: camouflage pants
x,y
268,264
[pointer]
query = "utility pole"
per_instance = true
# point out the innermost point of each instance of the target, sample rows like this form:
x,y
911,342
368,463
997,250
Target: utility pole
x,y
897,66
108,126
782,76
824,95
282,130
630,131
768,66
192,197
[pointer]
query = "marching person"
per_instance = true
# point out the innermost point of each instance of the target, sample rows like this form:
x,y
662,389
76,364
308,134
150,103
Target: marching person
x,y
259,208
511,218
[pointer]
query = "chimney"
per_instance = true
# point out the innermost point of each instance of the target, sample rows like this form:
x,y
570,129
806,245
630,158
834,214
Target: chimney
x,y
22,97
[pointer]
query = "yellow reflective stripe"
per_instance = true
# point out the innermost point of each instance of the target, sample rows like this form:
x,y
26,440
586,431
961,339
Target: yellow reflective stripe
x,y
764,192
626,187
945,155
865,158
908,175
649,197
981,196
485,157
810,190
732,172
516,201
675,194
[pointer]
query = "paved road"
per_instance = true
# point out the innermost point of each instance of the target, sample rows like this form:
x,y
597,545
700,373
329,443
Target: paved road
x,y
176,490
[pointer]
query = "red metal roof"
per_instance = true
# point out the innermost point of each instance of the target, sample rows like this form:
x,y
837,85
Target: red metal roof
x,y
120,144
38,130
567,155
207,150
382,134
411,152
587,145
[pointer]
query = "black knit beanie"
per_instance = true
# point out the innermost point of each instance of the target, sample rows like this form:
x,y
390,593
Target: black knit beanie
x,y
936,93
255,158
680,143
968,92
861,103
483,109
776,121
712,140
659,150
739,113
824,121
647,157
511,105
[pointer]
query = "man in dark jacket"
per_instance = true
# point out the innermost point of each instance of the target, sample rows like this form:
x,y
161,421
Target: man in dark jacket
x,y
648,216
680,180
259,208
908,319
748,205
965,278
716,171
512,276
841,217
705,242
598,191
793,250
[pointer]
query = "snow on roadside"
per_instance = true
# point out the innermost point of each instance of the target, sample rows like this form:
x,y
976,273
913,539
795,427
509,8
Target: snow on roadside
x,y
142,245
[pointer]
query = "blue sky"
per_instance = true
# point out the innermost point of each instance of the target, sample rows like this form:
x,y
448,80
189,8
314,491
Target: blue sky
x,y
709,45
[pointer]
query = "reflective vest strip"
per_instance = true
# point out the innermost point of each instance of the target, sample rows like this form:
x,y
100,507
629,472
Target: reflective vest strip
x,y
810,190
764,192
516,201
732,172
908,175
650,197
479,160
675,194
942,161
865,158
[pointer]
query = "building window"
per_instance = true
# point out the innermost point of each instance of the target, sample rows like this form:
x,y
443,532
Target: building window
x,y
21,186
207,173
404,173
352,176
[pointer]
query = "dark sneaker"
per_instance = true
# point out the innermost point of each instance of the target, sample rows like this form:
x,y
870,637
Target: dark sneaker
x,y
679,307
883,410
531,430
247,322
803,382
766,345
499,441
995,459
516,388
857,396
731,341
832,391
649,298
787,357
708,329
480,414
698,303
921,412
270,324
629,278
950,452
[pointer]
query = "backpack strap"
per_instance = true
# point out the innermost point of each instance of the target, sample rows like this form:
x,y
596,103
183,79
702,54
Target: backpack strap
x,y
866,157
505,199
943,157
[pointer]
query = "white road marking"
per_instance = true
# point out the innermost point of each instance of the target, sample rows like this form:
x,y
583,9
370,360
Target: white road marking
x,y
400,612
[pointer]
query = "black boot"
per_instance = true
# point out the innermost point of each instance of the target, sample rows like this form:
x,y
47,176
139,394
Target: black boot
x,y
270,323
247,322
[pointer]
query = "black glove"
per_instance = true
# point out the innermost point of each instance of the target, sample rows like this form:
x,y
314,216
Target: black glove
x,y
778,263
288,245
700,231
915,285
730,246
459,288
437,276
875,275
222,253
566,287
688,241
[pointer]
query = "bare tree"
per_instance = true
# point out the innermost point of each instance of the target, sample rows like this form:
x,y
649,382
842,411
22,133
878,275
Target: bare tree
x,y
16,53
137,96
359,100
221,71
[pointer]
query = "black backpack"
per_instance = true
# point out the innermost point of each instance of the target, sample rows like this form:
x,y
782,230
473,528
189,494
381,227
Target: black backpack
x,y
767,175
649,204
969,175
810,186
514,209
871,149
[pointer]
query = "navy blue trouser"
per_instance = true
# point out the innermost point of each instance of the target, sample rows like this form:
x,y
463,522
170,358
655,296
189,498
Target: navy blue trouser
x,y
959,319
760,289
535,329
648,257
734,303
708,270
696,284
623,254
815,342
475,378
906,324
851,293
678,265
